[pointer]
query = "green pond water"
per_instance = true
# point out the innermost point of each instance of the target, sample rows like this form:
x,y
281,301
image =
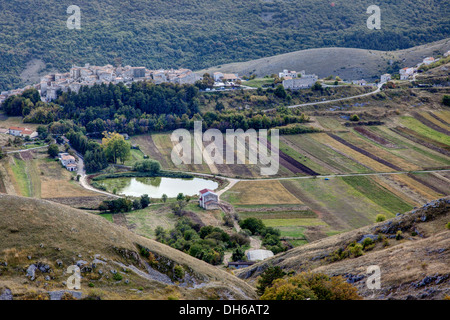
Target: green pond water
x,y
156,187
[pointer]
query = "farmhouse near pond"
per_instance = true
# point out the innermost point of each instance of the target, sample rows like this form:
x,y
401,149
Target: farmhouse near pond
x,y
208,199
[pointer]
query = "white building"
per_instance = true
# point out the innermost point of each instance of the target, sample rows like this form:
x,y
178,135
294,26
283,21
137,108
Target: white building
x,y
428,60
288,74
385,77
406,73
300,83
208,199
259,255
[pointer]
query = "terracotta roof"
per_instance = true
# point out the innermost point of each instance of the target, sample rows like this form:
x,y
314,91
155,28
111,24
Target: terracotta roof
x,y
205,191
17,128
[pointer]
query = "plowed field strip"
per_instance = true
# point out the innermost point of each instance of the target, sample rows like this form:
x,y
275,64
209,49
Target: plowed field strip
x,y
364,152
425,183
422,140
439,119
292,164
374,137
430,124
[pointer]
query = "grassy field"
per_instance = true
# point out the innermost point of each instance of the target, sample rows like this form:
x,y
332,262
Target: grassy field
x,y
422,129
378,194
414,152
337,203
145,221
258,82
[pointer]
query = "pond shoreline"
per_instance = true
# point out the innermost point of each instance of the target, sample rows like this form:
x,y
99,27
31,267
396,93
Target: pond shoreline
x,y
96,180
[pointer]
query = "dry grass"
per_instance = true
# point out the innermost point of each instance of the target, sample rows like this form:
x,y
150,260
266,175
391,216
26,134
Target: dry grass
x,y
70,235
260,193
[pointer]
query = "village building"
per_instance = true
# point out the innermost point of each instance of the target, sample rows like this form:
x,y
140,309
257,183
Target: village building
x,y
22,132
288,74
385,78
208,199
361,82
304,82
406,73
240,264
68,161
428,60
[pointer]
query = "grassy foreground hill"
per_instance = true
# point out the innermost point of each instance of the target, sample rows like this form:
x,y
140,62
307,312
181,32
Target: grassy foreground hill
x,y
115,263
413,263
200,33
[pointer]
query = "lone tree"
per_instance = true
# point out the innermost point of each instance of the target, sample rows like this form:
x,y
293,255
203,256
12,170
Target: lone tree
x,y
116,148
53,150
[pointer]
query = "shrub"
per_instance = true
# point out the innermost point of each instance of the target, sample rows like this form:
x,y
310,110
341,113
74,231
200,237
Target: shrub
x,y
151,166
399,235
313,286
380,218
448,225
178,272
356,249
117,276
267,278
368,244
354,117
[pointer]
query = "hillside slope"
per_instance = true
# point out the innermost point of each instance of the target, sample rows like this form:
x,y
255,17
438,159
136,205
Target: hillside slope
x,y
415,267
347,63
200,33
50,237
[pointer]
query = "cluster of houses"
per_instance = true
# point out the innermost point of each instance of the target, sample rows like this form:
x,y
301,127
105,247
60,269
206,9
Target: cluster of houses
x,y
68,161
297,80
88,75
408,73
91,75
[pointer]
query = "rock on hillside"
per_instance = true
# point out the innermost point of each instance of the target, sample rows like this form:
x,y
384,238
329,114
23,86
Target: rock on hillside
x,y
412,251
41,239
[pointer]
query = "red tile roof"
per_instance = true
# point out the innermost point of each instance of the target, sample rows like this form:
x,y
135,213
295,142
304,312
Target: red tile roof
x,y
205,191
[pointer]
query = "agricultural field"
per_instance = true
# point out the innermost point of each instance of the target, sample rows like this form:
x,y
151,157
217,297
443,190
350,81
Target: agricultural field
x,y
260,193
33,174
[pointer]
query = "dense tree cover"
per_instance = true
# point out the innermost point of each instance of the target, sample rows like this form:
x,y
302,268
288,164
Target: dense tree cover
x,y
207,243
311,286
201,33
142,108
95,158
270,236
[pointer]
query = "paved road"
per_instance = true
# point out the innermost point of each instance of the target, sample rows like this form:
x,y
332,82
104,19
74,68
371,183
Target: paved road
x,y
83,178
335,100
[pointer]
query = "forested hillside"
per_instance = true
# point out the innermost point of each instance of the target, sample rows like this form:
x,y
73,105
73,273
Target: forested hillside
x,y
201,33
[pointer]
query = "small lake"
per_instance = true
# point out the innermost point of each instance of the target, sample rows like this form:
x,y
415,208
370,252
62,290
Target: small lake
x,y
157,186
